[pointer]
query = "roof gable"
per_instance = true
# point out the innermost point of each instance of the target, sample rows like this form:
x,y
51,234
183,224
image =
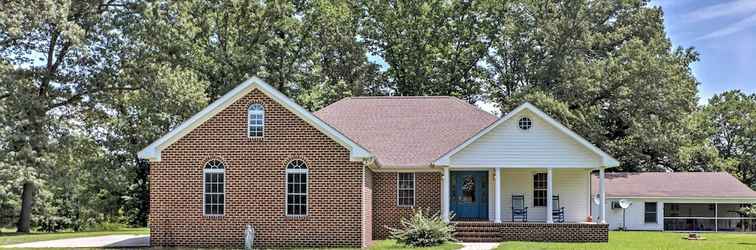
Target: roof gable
x,y
153,151
606,159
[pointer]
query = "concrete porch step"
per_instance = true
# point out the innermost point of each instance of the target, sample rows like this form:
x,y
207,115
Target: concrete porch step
x,y
477,229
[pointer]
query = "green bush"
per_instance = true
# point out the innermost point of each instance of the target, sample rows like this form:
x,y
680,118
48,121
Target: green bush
x,y
109,226
421,230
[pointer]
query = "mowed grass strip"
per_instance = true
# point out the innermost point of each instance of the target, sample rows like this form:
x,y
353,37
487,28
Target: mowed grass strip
x,y
10,238
391,244
647,240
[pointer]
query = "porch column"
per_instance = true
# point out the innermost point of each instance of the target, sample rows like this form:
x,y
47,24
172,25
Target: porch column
x,y
602,188
549,197
497,198
445,194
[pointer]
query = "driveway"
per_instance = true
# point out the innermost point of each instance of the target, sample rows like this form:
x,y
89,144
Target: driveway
x,y
100,241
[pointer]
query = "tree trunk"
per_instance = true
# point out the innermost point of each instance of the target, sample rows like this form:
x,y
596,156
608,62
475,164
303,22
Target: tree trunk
x,y
27,197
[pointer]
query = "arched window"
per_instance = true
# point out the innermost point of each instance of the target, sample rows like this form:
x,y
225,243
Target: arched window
x,y
214,179
296,188
256,120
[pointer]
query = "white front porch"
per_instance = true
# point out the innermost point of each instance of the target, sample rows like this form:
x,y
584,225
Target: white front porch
x,y
572,185
524,142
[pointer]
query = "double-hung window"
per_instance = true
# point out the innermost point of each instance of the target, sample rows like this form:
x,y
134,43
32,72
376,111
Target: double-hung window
x,y
650,212
256,120
406,189
539,190
296,188
214,195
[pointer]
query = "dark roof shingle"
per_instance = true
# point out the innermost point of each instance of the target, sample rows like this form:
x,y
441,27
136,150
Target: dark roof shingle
x,y
406,131
677,184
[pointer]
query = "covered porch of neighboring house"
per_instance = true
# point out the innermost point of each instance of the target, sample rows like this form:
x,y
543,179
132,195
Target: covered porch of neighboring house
x,y
711,215
528,176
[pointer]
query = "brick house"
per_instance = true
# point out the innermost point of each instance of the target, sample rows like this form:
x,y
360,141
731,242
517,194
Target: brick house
x,y
341,175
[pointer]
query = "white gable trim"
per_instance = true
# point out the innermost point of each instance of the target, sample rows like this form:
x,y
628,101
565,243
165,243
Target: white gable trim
x,y
607,160
152,152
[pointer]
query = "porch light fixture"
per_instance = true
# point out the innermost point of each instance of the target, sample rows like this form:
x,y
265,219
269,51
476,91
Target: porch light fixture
x,y
525,123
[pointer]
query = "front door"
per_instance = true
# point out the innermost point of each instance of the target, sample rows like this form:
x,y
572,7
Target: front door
x,y
469,195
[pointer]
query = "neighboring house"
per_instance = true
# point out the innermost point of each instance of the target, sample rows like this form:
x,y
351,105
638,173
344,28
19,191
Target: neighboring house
x,y
340,176
682,201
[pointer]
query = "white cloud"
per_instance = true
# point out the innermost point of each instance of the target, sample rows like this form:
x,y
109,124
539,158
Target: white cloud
x,y
731,29
722,10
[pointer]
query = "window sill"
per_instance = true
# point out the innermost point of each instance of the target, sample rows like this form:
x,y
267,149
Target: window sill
x,y
296,217
401,206
213,217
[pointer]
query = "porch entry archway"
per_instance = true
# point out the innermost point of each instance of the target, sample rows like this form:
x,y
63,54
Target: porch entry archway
x,y
469,195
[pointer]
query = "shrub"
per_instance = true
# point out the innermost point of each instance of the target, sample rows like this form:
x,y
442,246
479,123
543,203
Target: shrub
x,y
109,226
422,230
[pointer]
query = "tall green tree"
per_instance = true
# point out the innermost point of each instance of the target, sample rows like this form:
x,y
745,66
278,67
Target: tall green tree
x,y
63,55
430,47
729,120
604,68
306,49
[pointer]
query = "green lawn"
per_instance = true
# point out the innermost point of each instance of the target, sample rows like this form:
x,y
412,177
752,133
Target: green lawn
x,y
391,244
649,240
7,238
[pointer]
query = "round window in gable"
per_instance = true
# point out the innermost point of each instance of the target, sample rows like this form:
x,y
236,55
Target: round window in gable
x,y
525,123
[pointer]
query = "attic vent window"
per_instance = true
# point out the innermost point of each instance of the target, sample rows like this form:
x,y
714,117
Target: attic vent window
x,y
525,123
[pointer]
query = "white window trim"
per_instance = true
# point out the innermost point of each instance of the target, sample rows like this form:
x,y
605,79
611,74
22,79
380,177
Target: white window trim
x,y
544,189
529,128
249,110
305,171
414,189
204,191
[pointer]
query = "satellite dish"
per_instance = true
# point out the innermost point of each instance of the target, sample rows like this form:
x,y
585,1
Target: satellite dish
x,y
625,203
597,199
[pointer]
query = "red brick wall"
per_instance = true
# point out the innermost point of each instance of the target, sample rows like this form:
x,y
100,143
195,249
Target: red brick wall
x,y
255,184
385,210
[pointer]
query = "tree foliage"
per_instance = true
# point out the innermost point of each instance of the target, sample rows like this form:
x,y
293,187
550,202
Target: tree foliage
x,y
86,84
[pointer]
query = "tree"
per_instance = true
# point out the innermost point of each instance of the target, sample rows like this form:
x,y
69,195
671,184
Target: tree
x,y
431,47
729,120
605,69
308,50
63,53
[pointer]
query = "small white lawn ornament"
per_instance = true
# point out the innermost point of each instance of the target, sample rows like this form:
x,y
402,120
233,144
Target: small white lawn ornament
x,y
249,237
624,204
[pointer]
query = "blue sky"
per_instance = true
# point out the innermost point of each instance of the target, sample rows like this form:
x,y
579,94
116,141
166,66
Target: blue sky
x,y
724,33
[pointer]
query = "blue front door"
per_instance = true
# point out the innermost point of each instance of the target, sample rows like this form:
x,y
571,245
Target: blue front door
x,y
469,195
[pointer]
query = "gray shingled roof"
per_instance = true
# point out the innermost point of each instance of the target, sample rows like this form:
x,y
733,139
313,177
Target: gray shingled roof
x,y
406,131
677,184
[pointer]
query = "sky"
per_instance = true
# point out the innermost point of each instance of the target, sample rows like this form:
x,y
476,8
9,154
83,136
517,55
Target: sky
x,y
723,33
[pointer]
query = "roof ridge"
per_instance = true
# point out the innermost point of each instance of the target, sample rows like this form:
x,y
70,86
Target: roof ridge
x,y
400,97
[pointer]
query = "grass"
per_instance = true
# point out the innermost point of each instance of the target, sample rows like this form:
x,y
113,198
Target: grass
x,y
9,238
391,244
648,240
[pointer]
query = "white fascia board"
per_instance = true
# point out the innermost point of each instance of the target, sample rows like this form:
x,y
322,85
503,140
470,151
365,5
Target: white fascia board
x,y
152,152
607,160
